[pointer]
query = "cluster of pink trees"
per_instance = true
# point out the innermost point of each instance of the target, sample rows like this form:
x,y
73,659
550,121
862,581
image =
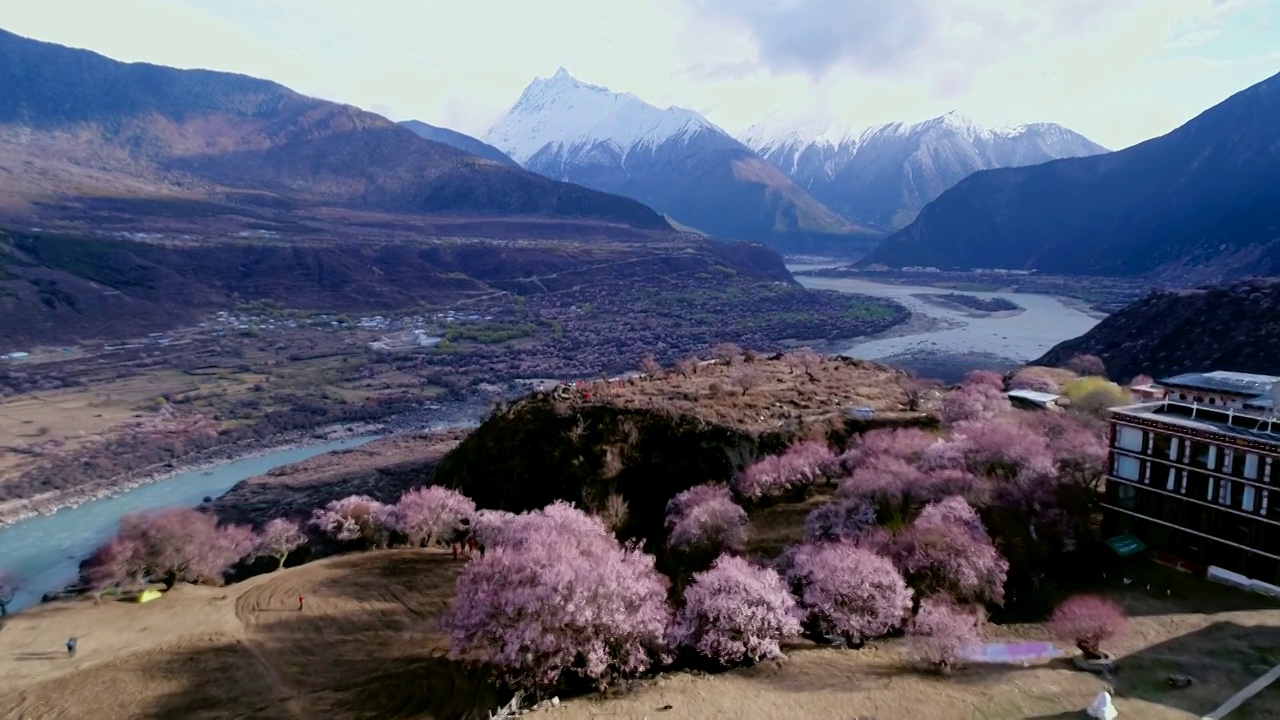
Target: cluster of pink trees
x,y
421,517
802,465
1032,378
559,596
706,517
170,546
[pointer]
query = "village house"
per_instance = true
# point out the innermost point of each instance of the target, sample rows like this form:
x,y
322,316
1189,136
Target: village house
x,y
1191,473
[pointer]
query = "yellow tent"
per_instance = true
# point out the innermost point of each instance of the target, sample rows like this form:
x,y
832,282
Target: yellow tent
x,y
148,595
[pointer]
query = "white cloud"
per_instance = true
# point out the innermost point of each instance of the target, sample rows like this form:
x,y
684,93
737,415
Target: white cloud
x,y
1116,70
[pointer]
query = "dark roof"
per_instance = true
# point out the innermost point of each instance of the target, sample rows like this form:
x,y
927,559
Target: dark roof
x,y
1223,381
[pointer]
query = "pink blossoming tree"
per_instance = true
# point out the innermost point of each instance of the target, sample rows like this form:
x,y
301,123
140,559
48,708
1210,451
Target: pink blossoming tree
x,y
559,595
839,520
430,515
973,402
941,633
1034,379
355,517
279,538
487,526
112,565
1087,365
988,378
804,464
906,444
736,612
947,550
1088,621
847,590
705,516
171,546
1002,449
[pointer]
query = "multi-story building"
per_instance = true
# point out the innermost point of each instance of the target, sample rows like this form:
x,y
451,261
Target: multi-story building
x,y
1196,475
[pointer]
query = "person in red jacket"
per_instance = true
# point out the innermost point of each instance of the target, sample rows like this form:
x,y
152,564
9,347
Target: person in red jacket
x,y
300,599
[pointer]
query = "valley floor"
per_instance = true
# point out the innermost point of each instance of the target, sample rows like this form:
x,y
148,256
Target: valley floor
x,y
367,645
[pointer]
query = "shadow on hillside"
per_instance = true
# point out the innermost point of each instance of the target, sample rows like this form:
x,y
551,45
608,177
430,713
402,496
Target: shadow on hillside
x,y
1221,659
368,647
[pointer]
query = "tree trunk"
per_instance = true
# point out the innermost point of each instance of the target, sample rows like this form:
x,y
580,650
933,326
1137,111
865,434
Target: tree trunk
x,y
1090,652
281,559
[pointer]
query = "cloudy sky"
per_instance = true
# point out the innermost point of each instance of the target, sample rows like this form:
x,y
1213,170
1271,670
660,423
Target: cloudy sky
x,y
1119,71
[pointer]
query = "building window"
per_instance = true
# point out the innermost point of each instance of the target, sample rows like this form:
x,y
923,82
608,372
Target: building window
x,y
1125,494
1266,497
1224,493
1227,455
1208,491
1246,502
1182,396
1251,466
1168,485
1129,438
1127,467
1213,401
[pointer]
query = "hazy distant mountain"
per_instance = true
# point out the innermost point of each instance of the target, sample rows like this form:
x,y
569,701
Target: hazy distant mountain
x,y
673,160
1201,203
883,175
83,125
461,141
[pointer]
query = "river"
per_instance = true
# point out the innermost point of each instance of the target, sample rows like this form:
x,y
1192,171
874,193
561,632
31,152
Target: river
x,y
45,551
975,339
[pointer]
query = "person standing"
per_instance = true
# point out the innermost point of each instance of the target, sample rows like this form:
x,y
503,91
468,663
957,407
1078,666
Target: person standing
x,y
300,599
481,546
71,647
455,551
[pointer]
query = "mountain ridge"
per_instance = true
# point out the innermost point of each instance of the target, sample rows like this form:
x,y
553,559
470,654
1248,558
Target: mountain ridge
x,y
884,174
1150,335
458,140
1200,204
88,125
671,159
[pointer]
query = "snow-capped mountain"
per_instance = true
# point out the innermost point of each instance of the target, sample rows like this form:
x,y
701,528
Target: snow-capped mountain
x,y
672,159
883,175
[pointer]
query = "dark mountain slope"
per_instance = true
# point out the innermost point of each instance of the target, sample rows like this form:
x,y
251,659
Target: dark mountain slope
x,y
1228,328
458,140
83,124
1202,202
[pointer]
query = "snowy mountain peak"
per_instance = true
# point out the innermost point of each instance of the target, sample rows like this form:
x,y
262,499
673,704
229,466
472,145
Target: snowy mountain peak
x,y
776,131
568,113
882,175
